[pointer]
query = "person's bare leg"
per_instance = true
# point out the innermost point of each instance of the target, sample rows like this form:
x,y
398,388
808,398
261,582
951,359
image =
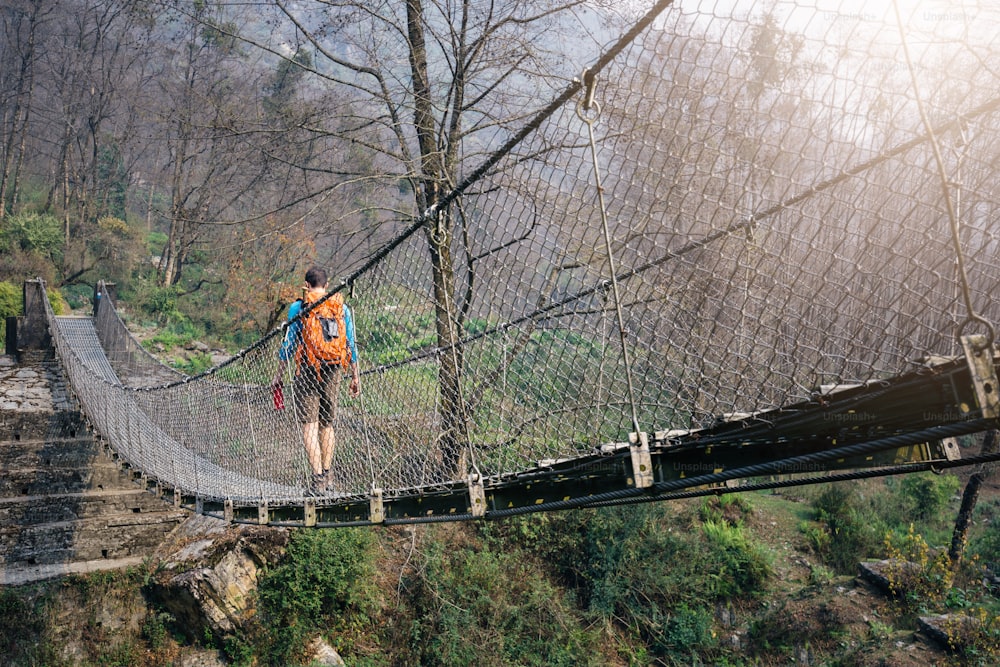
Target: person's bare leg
x,y
310,436
327,441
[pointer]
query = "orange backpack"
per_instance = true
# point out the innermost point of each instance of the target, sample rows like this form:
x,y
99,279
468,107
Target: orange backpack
x,y
324,333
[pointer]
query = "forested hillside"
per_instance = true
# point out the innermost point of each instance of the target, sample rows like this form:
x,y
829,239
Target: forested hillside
x,y
201,154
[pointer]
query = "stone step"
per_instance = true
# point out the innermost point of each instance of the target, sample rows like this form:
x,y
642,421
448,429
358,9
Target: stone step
x,y
16,425
32,386
49,508
59,453
86,539
100,475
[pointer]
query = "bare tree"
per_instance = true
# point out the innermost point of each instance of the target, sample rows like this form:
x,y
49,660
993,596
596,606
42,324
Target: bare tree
x,y
430,86
18,60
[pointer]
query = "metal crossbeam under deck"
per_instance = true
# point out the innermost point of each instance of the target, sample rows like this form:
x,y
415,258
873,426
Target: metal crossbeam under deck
x,y
799,440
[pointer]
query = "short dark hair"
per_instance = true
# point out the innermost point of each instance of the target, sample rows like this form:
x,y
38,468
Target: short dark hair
x,y
316,277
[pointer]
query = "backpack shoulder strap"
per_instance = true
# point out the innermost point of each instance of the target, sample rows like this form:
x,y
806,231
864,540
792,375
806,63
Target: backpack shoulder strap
x,y
294,309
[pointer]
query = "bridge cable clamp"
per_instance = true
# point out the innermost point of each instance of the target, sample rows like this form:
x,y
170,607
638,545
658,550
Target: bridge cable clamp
x,y
477,495
642,462
979,356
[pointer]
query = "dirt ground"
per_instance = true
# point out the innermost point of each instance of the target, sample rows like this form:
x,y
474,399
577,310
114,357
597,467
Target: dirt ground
x,y
812,618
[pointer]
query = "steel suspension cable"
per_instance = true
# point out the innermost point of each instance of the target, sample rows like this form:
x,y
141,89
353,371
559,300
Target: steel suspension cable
x,y
887,471
891,442
741,225
583,110
971,315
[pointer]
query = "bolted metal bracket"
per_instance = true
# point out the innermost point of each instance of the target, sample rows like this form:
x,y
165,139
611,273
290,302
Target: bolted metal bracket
x,y
262,514
309,512
642,463
477,495
376,506
949,447
984,377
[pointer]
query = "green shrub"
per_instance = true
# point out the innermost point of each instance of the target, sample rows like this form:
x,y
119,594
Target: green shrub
x,y
11,299
742,567
78,296
57,302
325,583
155,242
847,532
22,628
643,568
162,303
30,232
11,304
685,632
198,362
986,541
928,494
155,628
493,608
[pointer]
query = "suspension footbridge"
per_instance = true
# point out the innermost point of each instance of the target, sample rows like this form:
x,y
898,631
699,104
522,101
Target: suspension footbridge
x,y
737,252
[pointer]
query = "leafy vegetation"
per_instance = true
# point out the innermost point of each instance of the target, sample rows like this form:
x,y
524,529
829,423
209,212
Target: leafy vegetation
x,y
324,585
490,607
655,574
663,583
24,620
11,303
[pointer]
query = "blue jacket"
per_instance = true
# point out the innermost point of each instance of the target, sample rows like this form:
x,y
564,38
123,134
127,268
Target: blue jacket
x,y
292,337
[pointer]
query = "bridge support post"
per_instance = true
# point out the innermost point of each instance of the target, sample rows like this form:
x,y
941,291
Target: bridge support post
x,y
103,290
31,331
262,514
642,462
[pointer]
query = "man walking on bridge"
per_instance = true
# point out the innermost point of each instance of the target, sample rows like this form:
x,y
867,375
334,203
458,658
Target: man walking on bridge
x,y
323,344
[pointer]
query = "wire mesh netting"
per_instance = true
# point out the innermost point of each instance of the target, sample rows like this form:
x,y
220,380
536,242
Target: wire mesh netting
x,y
754,205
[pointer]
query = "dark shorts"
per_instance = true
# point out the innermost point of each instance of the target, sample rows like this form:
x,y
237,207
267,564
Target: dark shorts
x,y
316,398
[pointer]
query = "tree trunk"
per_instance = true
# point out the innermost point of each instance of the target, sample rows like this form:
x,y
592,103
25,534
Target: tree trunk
x,y
19,116
970,496
454,429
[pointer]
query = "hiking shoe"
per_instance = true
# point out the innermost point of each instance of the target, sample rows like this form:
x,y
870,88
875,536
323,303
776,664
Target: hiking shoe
x,y
327,483
317,485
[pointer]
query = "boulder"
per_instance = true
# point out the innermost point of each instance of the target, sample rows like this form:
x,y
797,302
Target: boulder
x,y
952,632
210,570
324,655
